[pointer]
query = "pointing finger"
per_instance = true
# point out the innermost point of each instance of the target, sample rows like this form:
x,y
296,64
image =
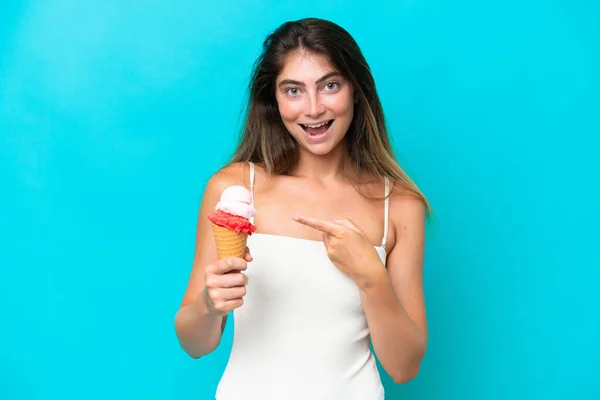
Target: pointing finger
x,y
348,223
320,225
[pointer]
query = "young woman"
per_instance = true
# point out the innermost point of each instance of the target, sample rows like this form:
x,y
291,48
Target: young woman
x,y
337,260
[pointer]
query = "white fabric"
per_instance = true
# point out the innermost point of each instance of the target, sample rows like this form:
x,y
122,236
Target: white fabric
x,y
302,332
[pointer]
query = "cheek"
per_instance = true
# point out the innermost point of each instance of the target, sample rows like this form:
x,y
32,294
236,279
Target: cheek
x,y
342,106
347,109
289,110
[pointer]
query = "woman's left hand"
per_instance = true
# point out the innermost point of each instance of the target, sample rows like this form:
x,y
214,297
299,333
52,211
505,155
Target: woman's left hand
x,y
347,247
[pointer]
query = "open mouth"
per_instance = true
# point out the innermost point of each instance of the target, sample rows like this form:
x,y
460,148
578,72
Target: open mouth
x,y
317,129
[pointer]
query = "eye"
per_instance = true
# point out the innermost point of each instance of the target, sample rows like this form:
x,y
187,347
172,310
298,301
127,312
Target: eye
x,y
331,86
293,91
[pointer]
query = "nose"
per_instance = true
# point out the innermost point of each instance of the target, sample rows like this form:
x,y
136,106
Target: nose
x,y
314,107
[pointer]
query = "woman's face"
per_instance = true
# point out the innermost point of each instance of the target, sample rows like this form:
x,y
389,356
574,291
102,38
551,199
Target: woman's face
x,y
315,102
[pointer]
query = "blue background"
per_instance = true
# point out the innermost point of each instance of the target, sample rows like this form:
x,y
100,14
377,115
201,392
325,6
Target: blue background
x,y
114,114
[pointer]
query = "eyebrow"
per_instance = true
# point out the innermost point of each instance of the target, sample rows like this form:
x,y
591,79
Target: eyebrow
x,y
319,81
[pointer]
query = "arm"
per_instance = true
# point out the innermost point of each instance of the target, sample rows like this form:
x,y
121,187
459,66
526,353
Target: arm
x,y
394,301
198,329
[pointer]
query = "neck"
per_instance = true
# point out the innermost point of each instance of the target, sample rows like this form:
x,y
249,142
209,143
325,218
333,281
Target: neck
x,y
323,167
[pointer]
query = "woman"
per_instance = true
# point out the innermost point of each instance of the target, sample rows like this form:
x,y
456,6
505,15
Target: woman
x,y
337,259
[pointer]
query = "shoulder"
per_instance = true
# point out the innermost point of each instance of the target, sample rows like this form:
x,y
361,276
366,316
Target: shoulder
x,y
407,212
232,174
406,201
237,173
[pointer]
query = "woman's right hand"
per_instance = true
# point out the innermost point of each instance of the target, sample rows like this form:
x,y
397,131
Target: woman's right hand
x,y
225,284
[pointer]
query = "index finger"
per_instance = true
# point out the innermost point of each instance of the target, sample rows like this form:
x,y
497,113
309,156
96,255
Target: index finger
x,y
319,224
232,264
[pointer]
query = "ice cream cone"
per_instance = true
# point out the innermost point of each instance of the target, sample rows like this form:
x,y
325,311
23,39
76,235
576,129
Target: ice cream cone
x,y
231,221
229,243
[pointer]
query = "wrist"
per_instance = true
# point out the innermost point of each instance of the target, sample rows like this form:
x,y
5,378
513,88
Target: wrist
x,y
373,279
201,306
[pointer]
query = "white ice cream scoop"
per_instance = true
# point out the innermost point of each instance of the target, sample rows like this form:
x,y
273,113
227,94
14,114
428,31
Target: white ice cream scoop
x,y
236,200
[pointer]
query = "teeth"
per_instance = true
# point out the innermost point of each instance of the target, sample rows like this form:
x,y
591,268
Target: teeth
x,y
316,126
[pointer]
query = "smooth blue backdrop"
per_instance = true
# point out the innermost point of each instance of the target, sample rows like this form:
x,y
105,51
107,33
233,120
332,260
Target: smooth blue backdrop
x,y
114,114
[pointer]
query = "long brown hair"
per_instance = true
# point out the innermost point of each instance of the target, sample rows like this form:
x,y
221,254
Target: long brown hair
x,y
266,141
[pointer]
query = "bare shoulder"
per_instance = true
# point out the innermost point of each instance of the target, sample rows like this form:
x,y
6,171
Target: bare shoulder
x,y
232,174
407,213
406,201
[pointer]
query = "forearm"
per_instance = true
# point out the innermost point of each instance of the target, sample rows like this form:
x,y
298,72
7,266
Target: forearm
x,y
397,341
198,331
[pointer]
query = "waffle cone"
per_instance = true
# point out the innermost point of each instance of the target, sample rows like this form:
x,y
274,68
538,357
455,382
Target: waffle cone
x,y
229,243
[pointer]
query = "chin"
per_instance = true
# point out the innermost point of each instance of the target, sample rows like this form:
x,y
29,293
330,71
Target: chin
x,y
321,150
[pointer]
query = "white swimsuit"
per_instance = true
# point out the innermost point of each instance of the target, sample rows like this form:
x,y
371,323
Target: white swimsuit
x,y
302,332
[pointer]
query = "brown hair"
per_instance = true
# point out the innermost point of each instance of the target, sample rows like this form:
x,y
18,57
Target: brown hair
x,y
266,141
